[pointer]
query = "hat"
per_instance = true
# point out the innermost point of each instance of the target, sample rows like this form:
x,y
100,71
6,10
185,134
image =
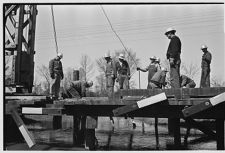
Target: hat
x,y
121,56
153,58
157,59
170,30
60,55
204,46
164,69
107,55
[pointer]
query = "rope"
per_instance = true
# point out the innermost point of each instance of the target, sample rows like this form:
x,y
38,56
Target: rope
x,y
53,21
117,35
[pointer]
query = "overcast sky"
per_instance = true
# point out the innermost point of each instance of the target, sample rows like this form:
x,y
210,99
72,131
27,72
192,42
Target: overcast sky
x,y
83,29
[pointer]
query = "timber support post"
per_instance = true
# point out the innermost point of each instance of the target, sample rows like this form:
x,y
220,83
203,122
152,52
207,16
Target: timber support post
x,y
220,133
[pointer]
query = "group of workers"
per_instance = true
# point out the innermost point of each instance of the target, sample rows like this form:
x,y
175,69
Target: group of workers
x,y
119,71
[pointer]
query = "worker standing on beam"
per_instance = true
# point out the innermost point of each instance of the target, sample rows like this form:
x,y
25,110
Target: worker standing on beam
x,y
110,75
173,55
123,70
206,61
187,82
56,73
152,69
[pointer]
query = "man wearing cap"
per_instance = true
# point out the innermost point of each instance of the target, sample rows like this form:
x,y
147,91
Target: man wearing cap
x,y
158,80
187,82
123,70
56,73
157,63
206,61
110,75
173,55
152,69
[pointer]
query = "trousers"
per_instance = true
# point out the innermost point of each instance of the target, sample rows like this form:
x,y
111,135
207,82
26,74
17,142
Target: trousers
x,y
205,77
175,74
55,85
123,81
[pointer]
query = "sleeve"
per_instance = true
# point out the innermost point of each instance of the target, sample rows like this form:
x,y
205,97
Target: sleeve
x,y
51,65
62,75
174,48
163,79
208,58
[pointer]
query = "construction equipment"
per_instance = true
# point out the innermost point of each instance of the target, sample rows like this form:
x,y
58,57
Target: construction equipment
x,y
20,23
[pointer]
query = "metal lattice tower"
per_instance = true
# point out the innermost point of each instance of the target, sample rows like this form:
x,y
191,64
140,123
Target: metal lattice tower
x,y
20,23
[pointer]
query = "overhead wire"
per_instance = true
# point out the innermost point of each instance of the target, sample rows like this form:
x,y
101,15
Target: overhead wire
x,y
54,29
117,35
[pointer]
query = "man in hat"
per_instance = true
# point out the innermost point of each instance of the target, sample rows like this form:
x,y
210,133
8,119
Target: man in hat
x,y
79,87
152,69
123,70
173,55
110,75
157,63
56,73
187,82
206,61
158,80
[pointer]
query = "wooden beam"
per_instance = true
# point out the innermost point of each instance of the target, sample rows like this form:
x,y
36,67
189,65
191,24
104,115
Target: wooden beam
x,y
43,111
220,133
203,106
26,134
140,104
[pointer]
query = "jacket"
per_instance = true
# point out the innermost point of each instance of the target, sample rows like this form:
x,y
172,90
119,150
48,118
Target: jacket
x,y
159,78
55,66
206,59
110,69
123,69
185,80
174,48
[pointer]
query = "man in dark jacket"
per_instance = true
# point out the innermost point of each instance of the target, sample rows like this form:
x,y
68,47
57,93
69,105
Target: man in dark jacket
x,y
56,73
123,70
152,69
110,75
206,61
187,82
173,55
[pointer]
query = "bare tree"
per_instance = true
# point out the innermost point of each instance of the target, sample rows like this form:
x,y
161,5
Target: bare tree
x,y
86,67
43,71
217,83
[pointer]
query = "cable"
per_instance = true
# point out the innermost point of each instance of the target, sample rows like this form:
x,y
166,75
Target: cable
x,y
117,35
53,21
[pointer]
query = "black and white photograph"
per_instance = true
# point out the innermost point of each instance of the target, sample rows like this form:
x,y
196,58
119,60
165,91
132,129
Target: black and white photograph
x,y
113,76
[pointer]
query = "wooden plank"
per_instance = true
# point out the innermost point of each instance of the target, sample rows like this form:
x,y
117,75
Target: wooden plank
x,y
140,104
205,105
26,134
176,133
220,133
178,92
25,97
90,139
40,110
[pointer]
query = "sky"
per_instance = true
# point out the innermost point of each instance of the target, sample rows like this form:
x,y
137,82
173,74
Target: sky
x,y
83,29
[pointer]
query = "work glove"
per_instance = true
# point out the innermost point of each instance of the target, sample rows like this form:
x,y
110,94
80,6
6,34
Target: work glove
x,y
138,68
171,60
128,77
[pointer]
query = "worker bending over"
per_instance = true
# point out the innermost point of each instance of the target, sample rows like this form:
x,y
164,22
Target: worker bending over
x,y
187,82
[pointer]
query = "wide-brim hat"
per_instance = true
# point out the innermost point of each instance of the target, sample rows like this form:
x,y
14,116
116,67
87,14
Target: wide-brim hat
x,y
152,58
107,55
203,47
170,30
121,56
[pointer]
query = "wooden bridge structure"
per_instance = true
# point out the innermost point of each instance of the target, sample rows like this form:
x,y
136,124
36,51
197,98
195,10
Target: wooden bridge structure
x,y
188,104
